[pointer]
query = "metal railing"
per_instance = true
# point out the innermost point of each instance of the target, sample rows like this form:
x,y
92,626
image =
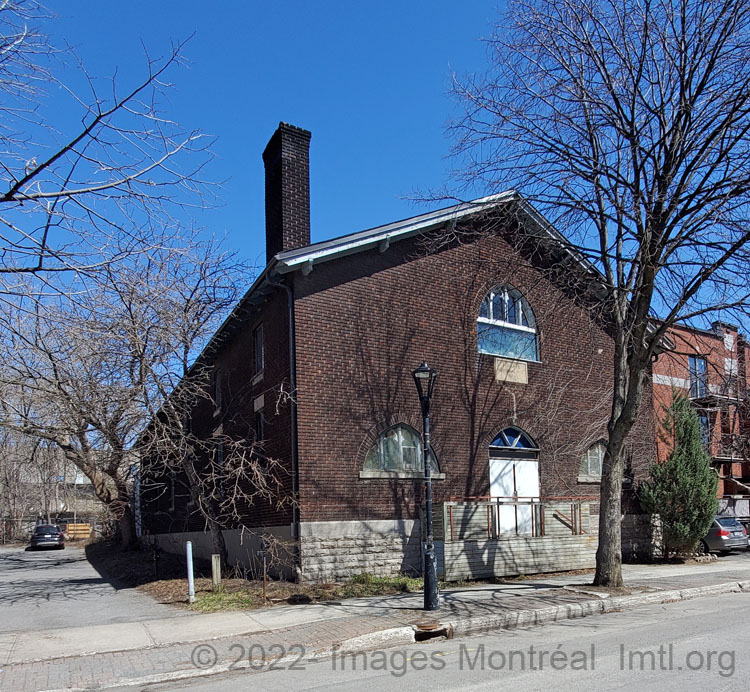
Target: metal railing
x,y
494,517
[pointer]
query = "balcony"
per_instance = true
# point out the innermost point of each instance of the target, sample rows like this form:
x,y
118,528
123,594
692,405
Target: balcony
x,y
707,395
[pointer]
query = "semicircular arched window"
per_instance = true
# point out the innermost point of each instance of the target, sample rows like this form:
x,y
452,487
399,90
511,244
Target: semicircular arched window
x,y
398,449
513,443
513,438
506,325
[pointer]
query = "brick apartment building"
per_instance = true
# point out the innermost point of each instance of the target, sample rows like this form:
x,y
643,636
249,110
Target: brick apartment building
x,y
489,295
711,368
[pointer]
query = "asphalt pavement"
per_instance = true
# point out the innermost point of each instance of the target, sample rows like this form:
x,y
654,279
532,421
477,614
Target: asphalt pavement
x,y
185,646
51,589
691,646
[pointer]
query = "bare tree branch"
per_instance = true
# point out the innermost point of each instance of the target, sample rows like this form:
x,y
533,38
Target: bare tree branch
x,y
625,122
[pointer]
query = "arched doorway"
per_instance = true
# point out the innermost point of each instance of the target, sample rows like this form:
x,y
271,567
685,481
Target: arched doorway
x,y
514,475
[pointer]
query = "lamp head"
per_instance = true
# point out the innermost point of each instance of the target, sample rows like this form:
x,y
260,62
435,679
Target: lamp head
x,y
424,379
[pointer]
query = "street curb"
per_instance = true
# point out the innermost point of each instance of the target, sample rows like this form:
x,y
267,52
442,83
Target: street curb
x,y
406,635
396,636
599,606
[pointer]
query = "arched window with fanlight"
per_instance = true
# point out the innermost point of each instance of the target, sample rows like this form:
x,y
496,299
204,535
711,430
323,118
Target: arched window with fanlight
x,y
506,325
397,451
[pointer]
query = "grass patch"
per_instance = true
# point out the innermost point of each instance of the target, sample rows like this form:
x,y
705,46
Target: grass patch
x,y
362,585
217,601
245,594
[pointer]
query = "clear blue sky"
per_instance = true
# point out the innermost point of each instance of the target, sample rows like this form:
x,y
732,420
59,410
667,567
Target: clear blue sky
x,y
370,80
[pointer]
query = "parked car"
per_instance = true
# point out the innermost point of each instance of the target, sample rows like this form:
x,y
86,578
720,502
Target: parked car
x,y
725,534
47,536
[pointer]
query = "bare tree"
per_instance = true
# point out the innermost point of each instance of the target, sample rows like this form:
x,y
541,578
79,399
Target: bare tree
x,y
626,123
107,301
19,498
32,475
90,170
224,470
89,374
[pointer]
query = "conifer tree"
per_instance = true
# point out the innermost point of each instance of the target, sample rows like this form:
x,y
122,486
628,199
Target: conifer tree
x,y
682,490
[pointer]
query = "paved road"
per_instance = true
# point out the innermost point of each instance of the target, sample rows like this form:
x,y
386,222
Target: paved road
x,y
59,588
693,645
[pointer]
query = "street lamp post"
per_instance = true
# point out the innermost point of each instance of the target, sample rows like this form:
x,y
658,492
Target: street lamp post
x,y
424,378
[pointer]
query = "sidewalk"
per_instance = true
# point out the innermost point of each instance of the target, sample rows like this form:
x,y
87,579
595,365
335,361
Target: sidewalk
x,y
106,656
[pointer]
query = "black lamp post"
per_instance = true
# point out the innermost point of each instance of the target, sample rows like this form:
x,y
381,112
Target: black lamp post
x,y
424,378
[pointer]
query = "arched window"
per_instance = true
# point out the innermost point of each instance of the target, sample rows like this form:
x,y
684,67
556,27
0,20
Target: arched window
x,y
398,449
506,326
512,443
591,462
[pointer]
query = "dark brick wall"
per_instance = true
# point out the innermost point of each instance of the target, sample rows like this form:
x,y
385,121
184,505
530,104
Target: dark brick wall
x,y
237,418
364,322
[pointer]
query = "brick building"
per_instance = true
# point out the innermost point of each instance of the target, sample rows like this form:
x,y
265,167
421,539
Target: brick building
x,y
711,368
488,294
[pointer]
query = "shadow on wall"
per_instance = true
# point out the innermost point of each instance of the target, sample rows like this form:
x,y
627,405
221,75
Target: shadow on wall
x,y
483,559
243,548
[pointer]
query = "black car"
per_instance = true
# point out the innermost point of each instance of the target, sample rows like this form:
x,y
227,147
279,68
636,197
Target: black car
x,y
47,536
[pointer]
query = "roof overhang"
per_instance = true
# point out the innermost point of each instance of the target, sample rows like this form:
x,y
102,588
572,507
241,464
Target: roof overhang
x,y
381,237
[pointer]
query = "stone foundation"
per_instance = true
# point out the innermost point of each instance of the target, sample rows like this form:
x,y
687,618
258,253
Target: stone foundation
x,y
641,537
482,559
336,550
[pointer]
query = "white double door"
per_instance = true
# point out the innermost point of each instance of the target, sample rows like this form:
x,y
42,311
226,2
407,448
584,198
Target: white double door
x,y
514,478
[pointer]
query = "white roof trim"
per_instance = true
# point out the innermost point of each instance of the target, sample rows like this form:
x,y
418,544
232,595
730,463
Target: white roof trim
x,y
291,260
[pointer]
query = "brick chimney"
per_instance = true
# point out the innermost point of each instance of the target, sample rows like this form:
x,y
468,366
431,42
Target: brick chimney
x,y
287,162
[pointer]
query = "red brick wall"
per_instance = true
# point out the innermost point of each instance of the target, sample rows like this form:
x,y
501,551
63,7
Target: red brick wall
x,y
723,414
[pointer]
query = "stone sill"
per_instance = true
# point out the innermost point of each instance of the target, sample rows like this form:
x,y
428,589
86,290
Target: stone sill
x,y
400,475
530,361
626,482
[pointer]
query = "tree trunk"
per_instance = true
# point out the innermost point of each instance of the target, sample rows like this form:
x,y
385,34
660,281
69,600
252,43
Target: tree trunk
x,y
609,551
219,544
630,372
206,507
127,529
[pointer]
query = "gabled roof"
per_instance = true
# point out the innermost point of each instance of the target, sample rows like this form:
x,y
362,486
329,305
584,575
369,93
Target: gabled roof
x,y
382,236
305,258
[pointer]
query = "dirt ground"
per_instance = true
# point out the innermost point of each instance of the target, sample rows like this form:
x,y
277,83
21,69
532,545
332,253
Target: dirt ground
x,y
166,582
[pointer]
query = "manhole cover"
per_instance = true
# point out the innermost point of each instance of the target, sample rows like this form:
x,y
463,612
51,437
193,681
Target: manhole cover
x,y
427,626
